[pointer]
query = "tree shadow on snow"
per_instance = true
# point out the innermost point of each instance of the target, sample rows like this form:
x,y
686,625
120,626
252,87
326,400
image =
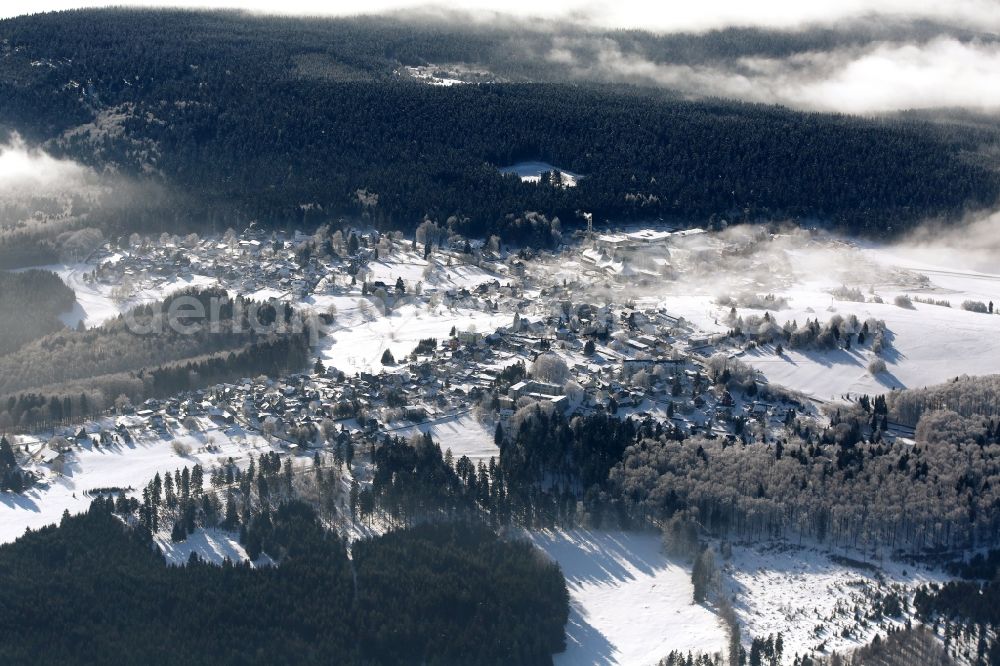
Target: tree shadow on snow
x,y
18,501
601,557
834,357
888,380
585,642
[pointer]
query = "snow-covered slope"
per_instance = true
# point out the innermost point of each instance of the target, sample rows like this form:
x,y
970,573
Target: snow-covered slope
x,y
463,434
819,604
930,343
630,604
124,466
358,341
95,303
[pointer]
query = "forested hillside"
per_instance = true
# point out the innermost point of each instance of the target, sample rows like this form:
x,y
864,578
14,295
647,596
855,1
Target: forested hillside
x,y
72,374
30,305
935,496
968,396
142,339
843,485
92,591
297,121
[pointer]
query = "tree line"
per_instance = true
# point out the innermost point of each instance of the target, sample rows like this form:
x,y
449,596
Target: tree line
x,y
246,134
73,374
92,590
30,304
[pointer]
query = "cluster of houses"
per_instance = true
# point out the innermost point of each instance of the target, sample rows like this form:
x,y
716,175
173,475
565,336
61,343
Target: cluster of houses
x,y
249,263
271,265
636,368
632,256
619,358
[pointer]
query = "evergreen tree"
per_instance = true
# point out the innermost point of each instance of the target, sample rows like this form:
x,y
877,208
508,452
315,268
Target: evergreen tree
x,y
289,476
169,496
232,517
355,492
7,459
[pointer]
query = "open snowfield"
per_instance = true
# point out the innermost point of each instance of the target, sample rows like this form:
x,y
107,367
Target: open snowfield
x,y
809,598
630,604
95,304
464,434
930,343
359,339
125,466
413,268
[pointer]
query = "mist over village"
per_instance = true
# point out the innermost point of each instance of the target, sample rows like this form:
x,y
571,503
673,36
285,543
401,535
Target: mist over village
x,y
500,333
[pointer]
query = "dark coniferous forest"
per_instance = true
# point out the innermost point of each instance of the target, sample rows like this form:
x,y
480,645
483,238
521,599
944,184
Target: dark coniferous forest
x,y
292,122
92,591
30,305
207,121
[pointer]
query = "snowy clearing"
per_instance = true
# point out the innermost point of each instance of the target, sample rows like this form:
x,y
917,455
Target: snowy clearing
x,y
89,467
531,172
211,545
464,434
95,303
629,603
356,344
811,598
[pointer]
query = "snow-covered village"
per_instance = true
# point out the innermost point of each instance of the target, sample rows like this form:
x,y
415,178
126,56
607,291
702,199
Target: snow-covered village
x,y
499,334
471,343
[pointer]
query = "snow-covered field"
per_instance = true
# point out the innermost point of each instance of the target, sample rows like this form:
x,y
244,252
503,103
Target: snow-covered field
x,y
630,604
930,343
123,466
358,340
95,303
413,268
810,598
531,172
464,434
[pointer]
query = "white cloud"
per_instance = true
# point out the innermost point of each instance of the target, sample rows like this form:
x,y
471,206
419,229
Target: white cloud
x,y
944,72
881,77
31,172
664,16
972,245
875,78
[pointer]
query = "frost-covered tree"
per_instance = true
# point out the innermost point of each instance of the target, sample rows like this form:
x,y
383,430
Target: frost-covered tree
x,y
550,367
